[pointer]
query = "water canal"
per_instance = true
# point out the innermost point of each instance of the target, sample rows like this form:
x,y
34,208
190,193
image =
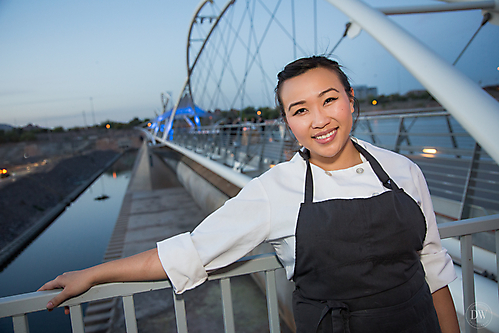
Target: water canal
x,y
76,239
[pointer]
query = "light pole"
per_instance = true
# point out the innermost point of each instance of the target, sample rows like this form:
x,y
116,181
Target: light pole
x,y
84,119
92,108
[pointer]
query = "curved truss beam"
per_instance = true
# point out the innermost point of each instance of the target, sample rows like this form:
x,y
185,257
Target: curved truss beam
x,y
190,68
475,109
169,123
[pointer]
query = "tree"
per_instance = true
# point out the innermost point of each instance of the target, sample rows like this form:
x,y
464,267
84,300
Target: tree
x,y
27,136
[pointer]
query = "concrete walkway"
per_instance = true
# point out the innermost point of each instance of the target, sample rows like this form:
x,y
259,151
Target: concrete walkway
x,y
156,207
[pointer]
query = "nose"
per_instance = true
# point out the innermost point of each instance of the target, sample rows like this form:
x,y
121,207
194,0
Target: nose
x,y
320,118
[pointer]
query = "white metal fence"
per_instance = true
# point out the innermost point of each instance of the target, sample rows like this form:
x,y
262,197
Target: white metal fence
x,y
19,306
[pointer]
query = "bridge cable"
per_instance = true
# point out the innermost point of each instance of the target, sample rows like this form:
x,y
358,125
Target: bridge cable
x,y
347,26
257,50
486,18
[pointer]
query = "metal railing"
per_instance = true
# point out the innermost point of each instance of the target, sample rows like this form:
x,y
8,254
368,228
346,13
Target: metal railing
x,y
464,230
249,147
455,166
19,306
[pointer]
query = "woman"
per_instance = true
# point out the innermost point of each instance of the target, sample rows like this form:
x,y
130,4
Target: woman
x,y
362,245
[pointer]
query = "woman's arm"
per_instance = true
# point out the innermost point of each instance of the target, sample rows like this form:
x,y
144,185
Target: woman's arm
x,y
144,266
446,312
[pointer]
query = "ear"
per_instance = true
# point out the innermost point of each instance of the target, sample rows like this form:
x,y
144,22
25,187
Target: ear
x,y
352,101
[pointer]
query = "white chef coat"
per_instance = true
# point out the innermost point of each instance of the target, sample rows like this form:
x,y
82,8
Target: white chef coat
x,y
266,210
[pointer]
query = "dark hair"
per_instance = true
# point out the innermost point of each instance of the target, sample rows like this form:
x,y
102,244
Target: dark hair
x,y
303,65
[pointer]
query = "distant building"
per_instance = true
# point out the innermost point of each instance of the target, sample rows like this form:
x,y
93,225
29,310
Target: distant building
x,y
363,92
31,127
5,127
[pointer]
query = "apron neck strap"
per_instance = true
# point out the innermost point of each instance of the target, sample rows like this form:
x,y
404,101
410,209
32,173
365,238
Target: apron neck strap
x,y
309,183
377,168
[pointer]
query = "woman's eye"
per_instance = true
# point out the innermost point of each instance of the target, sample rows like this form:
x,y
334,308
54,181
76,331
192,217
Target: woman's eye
x,y
329,100
299,111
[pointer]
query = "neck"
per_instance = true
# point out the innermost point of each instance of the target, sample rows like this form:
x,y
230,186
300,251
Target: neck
x,y
346,158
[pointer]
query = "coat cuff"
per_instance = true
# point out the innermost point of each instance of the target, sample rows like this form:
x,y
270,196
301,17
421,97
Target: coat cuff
x,y
181,262
439,269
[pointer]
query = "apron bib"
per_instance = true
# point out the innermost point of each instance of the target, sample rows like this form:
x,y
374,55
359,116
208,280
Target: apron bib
x,y
357,268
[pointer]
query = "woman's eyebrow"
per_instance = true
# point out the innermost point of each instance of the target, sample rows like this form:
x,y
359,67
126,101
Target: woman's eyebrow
x,y
320,94
328,90
295,103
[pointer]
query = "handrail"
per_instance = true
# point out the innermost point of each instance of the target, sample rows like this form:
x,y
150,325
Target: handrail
x,y
464,229
19,305
469,226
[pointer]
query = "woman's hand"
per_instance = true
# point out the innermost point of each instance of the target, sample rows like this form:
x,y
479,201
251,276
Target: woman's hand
x,y
72,284
144,266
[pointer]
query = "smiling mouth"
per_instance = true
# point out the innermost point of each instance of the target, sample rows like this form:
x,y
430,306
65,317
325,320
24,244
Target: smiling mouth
x,y
325,136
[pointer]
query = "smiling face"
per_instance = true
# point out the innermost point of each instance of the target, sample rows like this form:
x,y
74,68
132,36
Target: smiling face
x,y
319,111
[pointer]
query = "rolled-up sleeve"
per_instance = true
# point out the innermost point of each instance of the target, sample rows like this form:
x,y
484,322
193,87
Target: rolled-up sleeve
x,y
225,236
181,262
437,263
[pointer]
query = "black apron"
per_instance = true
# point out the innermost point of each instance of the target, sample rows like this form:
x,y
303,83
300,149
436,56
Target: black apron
x,y
357,268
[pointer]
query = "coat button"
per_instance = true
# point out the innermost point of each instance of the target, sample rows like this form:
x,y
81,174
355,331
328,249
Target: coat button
x,y
359,170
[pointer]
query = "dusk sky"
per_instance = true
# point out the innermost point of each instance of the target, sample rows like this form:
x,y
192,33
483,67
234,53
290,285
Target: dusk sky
x,y
61,59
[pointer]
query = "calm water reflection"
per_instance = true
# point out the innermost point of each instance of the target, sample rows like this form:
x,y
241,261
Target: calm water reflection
x,y
77,239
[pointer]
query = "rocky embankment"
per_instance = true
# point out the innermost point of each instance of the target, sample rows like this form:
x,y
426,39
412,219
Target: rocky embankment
x,y
28,198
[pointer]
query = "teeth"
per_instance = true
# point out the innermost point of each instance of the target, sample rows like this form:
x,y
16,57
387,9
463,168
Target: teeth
x,y
325,136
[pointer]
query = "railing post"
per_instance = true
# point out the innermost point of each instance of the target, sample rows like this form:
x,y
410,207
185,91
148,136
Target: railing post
x,y
451,132
76,319
263,141
272,302
369,128
497,259
465,209
129,310
227,305
20,324
224,137
402,135
180,316
468,281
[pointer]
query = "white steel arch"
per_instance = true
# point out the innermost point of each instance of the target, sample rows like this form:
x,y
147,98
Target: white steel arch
x,y
186,88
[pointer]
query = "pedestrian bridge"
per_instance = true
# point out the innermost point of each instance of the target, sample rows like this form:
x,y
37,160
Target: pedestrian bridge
x,y
456,149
